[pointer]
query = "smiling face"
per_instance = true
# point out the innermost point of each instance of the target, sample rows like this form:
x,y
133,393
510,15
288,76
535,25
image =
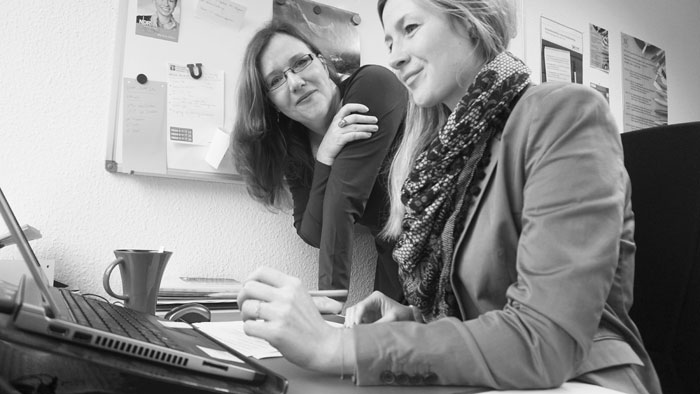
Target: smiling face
x,y
165,7
308,97
435,59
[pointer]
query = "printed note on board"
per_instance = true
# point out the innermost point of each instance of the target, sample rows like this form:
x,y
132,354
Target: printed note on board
x,y
195,105
226,12
144,127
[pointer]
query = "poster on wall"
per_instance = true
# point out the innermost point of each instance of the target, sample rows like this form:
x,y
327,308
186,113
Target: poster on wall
x,y
644,84
562,52
334,30
600,50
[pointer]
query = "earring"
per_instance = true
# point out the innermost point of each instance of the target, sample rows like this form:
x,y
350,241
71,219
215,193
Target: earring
x,y
278,117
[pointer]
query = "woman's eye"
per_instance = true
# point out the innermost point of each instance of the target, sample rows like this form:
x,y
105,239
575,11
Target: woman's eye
x,y
303,62
276,80
410,28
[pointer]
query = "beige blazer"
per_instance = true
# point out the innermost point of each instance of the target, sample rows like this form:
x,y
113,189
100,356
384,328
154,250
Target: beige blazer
x,y
543,270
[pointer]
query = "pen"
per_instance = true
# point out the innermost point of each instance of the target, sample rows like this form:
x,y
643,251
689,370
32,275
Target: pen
x,y
312,293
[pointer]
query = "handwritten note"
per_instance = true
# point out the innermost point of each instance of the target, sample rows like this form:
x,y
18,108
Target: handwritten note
x,y
226,12
144,147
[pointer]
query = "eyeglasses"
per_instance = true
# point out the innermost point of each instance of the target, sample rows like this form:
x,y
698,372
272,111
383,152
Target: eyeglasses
x,y
276,81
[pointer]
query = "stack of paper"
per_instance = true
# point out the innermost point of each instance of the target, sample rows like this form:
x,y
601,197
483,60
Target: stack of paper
x,y
189,287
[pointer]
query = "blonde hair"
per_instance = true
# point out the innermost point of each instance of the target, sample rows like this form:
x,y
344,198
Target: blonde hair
x,y
491,25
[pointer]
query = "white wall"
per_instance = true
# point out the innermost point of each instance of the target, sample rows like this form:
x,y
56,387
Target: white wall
x,y
55,74
57,63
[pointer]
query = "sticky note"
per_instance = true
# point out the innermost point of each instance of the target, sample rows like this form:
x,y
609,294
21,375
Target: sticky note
x,y
218,147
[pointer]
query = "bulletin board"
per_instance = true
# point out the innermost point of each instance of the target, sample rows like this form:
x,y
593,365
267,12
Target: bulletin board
x,y
173,92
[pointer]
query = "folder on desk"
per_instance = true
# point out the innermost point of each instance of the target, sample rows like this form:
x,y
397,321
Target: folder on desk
x,y
192,287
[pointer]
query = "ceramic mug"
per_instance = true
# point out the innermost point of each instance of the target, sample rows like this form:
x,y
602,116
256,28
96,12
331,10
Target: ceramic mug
x,y
141,271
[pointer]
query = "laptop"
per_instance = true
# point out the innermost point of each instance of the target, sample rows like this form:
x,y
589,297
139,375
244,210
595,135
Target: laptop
x,y
65,315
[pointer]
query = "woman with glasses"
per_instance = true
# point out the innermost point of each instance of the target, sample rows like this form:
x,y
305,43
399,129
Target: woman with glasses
x,y
326,139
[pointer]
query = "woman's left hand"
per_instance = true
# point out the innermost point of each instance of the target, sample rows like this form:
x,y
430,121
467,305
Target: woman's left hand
x,y
276,307
347,125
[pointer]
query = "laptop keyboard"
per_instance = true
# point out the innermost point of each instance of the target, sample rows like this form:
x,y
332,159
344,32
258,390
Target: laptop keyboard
x,y
116,319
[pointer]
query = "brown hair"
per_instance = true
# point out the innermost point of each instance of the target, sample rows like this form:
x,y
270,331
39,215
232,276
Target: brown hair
x,y
269,149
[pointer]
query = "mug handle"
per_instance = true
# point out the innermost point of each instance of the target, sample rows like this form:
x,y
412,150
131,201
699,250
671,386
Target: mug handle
x,y
107,274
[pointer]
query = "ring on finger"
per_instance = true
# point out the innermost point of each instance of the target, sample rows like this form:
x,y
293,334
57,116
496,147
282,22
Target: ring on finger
x,y
257,310
342,123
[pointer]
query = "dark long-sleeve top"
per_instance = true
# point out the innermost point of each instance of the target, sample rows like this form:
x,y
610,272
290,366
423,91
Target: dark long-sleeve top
x,y
353,189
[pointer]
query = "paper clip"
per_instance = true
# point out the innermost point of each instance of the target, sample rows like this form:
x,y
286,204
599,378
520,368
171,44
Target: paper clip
x,y
199,70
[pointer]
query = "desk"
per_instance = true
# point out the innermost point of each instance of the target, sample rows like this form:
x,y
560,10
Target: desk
x,y
303,381
84,370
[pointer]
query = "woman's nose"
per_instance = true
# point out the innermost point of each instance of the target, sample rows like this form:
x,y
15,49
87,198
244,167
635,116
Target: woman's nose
x,y
397,57
294,81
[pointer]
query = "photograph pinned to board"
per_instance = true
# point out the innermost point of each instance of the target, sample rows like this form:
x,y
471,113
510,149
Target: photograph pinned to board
x,y
644,84
562,52
158,19
335,31
600,48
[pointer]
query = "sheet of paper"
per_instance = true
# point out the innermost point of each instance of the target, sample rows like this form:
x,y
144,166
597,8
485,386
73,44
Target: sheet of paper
x,y
225,12
644,84
174,324
557,64
231,333
566,388
11,271
220,354
143,140
195,105
218,148
561,35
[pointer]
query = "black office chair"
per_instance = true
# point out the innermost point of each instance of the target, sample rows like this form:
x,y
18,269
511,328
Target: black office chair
x,y
664,165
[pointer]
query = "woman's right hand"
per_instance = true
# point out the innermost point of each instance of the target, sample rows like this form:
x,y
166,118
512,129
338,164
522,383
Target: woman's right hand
x,y
347,125
377,307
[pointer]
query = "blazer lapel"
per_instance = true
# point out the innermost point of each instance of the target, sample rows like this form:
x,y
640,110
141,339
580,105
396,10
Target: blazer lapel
x,y
489,170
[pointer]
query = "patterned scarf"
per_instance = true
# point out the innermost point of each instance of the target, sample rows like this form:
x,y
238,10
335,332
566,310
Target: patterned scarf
x,y
445,180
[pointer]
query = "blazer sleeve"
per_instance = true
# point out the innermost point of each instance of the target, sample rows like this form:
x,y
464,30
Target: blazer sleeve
x,y
573,192
339,193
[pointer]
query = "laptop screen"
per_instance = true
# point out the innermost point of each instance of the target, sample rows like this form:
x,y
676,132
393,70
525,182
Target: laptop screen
x,y
27,255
